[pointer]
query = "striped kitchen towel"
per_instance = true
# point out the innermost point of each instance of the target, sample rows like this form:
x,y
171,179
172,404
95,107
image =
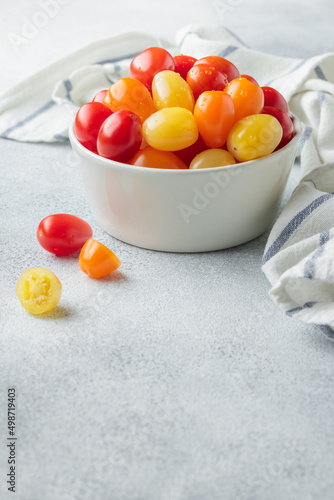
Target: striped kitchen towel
x,y
299,256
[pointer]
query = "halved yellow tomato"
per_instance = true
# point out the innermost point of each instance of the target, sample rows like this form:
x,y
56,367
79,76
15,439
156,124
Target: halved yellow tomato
x,y
38,289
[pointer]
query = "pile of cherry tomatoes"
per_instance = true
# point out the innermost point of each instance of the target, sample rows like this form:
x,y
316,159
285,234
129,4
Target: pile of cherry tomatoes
x,y
38,289
181,112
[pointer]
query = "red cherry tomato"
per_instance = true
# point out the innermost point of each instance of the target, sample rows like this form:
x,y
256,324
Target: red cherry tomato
x,y
100,96
222,65
202,77
273,98
189,153
285,121
250,78
63,233
120,136
155,158
183,64
88,121
148,63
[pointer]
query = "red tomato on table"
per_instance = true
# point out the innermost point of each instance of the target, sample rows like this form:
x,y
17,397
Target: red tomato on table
x,y
63,233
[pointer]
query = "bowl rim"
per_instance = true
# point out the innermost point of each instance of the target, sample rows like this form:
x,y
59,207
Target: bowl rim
x,y
106,162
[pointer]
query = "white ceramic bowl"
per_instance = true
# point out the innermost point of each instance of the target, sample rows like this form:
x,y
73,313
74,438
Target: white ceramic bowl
x,y
186,210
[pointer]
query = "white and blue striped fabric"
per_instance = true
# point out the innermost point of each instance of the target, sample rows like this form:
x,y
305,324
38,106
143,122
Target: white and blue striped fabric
x,y
299,256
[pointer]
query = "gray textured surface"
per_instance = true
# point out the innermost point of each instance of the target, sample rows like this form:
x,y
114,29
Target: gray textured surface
x,y
176,379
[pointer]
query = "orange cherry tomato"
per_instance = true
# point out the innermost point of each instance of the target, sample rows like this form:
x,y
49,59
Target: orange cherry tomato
x,y
97,260
214,115
155,158
131,95
247,97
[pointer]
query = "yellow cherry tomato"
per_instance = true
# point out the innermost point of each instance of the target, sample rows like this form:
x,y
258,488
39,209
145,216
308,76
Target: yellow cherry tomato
x,y
170,129
212,158
130,95
254,136
38,290
169,89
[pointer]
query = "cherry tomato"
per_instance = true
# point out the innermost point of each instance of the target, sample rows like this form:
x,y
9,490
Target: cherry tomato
x,y
100,96
250,78
170,129
285,121
183,64
170,90
155,158
214,114
202,77
254,136
189,153
131,95
148,63
247,97
88,121
212,158
222,65
96,260
120,136
38,289
63,233
273,98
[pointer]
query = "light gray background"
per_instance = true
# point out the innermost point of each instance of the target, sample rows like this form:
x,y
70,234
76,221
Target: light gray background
x,y
177,378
